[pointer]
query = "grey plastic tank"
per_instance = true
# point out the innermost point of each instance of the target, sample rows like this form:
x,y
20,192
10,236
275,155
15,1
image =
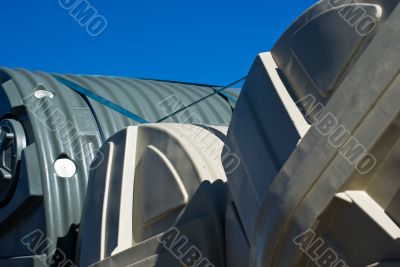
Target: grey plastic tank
x,y
49,135
304,175
304,172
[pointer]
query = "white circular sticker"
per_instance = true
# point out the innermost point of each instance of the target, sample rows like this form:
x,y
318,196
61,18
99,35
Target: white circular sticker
x,y
64,168
43,93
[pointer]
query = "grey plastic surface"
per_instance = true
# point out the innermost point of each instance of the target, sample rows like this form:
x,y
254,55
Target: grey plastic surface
x,y
291,178
61,124
236,243
148,182
303,194
200,224
319,49
169,157
263,129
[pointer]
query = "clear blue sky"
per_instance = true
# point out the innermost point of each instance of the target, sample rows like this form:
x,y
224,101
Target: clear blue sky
x,y
208,41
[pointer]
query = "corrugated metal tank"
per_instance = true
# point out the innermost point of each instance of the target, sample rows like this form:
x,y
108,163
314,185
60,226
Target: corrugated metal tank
x,y
59,123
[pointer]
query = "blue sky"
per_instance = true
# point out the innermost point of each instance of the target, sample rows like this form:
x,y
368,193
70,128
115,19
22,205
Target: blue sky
x,y
207,41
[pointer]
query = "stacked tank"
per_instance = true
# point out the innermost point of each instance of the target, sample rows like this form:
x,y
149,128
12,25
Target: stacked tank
x,y
304,172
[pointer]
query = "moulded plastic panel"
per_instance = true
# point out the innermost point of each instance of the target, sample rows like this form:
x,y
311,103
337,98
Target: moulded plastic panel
x,y
256,191
328,187
265,129
148,182
237,245
319,49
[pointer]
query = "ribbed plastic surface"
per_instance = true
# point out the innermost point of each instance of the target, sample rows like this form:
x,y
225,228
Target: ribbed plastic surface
x,y
81,129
